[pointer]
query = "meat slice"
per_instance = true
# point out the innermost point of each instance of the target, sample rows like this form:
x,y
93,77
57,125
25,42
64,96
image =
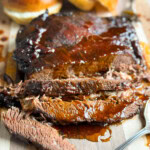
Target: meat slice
x,y
43,135
110,110
78,44
83,86
78,86
65,87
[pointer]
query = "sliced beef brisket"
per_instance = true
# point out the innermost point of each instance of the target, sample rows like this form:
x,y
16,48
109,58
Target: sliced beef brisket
x,y
65,87
114,108
78,44
43,135
77,86
78,68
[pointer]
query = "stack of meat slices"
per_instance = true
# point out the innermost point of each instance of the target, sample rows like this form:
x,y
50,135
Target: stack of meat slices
x,y
78,68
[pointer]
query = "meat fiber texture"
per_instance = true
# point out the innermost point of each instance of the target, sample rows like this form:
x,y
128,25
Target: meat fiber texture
x,y
65,87
43,135
106,108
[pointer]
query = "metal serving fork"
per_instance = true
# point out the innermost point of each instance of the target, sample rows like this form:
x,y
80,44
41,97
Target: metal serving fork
x,y
145,130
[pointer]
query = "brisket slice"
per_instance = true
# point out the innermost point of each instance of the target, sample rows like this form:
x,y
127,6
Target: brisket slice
x,y
65,87
43,135
77,44
113,109
112,81
77,86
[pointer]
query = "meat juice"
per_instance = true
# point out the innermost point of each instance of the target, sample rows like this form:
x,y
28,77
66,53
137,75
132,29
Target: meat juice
x,y
93,133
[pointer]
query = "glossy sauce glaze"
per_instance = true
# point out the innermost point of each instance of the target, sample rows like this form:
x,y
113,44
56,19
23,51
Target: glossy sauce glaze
x,y
89,48
94,133
74,39
110,110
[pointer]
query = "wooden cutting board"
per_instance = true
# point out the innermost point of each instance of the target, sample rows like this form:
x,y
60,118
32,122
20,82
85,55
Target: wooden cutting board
x,y
120,132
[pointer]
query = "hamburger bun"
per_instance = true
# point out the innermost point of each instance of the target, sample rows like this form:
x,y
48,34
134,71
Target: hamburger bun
x,y
89,4
23,11
109,4
85,5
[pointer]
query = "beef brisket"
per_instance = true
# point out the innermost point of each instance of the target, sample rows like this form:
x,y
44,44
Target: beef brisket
x,y
77,86
79,44
78,68
112,109
43,135
65,87
104,107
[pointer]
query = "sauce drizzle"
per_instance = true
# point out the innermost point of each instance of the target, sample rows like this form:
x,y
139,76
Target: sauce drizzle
x,y
94,133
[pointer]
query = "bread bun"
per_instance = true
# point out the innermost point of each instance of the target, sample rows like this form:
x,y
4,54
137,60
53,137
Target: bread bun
x,y
23,11
89,4
109,4
85,5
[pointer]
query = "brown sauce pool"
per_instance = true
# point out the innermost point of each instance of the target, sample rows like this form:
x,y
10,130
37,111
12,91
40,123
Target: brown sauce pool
x,y
94,133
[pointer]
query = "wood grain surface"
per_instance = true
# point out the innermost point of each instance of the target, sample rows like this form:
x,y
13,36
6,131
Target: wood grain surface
x,y
120,132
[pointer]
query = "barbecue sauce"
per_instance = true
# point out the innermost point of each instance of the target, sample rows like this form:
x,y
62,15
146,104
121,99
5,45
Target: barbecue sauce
x,y
59,41
93,133
90,48
112,110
